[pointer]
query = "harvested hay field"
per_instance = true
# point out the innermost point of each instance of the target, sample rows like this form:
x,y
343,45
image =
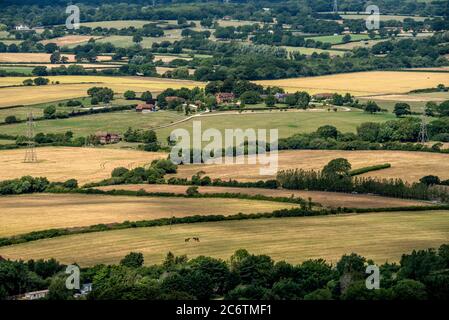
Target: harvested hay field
x,y
70,39
76,86
363,83
169,58
39,57
411,97
27,213
407,165
63,163
163,70
380,236
327,199
357,44
51,66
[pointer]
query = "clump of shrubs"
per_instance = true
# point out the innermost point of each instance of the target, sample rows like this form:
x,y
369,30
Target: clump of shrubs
x,y
152,175
26,184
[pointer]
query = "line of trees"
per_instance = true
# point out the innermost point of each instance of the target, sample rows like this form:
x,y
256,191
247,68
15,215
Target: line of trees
x,y
336,176
419,275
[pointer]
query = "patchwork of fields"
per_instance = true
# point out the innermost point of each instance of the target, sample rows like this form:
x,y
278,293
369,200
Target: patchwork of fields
x,y
27,213
381,236
77,86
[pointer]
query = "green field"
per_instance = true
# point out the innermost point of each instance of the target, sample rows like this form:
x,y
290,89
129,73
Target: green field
x,y
24,70
38,109
417,101
3,141
288,123
336,39
416,106
85,125
383,17
9,42
380,236
127,41
118,24
358,44
4,34
310,51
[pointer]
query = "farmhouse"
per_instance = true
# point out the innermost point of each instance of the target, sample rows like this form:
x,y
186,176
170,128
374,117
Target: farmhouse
x,y
280,97
145,107
35,295
107,138
224,97
22,28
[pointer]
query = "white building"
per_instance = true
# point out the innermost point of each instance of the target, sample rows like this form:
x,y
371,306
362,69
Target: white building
x,y
22,28
35,295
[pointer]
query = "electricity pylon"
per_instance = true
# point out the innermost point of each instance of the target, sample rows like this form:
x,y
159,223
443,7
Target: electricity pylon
x,y
30,153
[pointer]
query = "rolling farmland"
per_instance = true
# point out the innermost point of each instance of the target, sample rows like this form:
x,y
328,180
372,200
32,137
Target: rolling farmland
x,y
113,121
363,83
288,123
63,163
77,86
327,199
27,213
380,236
409,166
39,57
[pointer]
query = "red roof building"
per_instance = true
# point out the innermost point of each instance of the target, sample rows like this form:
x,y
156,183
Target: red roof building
x,y
224,97
107,138
145,107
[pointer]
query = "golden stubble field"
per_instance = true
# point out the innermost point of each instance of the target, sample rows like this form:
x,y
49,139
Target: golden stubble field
x,y
363,83
70,39
409,166
27,213
77,86
38,57
378,236
63,163
328,199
